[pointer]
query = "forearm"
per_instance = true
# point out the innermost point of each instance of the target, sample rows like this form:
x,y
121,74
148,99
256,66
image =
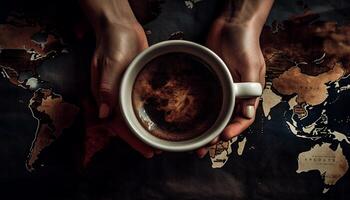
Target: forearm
x,y
102,12
247,12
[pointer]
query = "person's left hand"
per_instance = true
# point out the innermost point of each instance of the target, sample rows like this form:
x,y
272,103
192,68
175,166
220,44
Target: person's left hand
x,y
238,46
100,131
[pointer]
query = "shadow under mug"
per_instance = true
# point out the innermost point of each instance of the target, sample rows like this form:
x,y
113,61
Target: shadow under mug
x,y
230,92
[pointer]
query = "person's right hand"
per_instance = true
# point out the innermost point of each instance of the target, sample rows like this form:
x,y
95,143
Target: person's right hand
x,y
116,47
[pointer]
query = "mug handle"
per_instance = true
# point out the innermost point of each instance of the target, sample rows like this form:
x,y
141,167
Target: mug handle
x,y
247,90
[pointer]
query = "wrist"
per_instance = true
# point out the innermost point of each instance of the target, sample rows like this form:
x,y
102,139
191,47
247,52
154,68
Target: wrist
x,y
246,13
253,22
240,29
108,12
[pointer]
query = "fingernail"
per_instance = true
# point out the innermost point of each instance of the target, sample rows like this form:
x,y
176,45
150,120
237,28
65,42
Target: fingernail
x,y
249,112
104,111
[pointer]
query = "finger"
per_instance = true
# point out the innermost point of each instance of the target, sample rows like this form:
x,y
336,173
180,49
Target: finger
x,y
95,74
118,127
214,141
202,152
110,75
247,108
238,125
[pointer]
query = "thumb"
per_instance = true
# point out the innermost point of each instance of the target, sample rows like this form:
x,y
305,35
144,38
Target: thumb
x,y
247,107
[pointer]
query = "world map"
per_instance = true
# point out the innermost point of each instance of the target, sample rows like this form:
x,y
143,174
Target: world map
x,y
305,100
18,62
312,78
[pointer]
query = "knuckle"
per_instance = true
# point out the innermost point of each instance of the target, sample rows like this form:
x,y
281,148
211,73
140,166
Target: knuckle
x,y
105,88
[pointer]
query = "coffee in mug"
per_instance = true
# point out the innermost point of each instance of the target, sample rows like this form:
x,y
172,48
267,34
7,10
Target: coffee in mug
x,y
176,96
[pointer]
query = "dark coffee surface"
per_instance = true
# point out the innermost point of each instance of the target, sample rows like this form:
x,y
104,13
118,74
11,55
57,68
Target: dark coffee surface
x,y
177,97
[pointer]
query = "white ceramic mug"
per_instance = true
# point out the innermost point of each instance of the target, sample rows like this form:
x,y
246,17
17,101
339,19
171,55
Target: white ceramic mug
x,y
230,92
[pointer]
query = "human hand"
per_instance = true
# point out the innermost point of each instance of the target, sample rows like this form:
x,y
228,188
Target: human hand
x,y
238,46
119,38
116,46
99,132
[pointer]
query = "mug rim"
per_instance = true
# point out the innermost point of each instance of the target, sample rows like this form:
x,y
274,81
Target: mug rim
x,y
177,46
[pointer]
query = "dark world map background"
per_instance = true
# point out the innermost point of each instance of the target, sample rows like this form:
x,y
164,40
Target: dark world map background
x,y
298,148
